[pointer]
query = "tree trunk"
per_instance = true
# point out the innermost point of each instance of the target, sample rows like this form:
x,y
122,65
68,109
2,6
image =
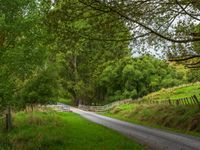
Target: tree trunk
x,y
75,77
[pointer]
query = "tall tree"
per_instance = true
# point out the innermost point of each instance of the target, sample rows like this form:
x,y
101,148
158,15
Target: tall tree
x,y
135,77
161,24
73,31
22,49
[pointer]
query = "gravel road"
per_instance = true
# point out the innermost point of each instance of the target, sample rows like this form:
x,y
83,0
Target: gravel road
x,y
154,139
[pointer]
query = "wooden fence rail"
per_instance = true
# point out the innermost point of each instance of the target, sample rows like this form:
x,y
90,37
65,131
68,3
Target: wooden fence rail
x,y
192,100
106,107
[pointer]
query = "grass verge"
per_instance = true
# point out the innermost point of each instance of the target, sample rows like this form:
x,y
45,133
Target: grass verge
x,y
182,119
61,131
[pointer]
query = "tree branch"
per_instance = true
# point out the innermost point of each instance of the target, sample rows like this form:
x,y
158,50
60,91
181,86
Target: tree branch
x,y
184,58
186,11
141,24
192,64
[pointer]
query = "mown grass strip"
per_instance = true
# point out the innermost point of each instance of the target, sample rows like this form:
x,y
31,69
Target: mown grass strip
x,y
61,131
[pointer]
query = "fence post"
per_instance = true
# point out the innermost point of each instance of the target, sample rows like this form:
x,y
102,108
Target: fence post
x,y
185,103
169,102
198,103
177,102
180,101
188,101
8,119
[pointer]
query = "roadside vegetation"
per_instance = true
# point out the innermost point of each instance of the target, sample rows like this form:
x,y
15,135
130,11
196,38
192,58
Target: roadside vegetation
x,y
182,118
51,130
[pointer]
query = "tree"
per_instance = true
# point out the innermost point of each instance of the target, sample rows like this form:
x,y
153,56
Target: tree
x,y
80,56
136,77
22,50
191,59
162,24
42,88
155,17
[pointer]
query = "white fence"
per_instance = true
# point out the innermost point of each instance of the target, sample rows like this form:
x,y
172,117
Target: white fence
x,y
106,107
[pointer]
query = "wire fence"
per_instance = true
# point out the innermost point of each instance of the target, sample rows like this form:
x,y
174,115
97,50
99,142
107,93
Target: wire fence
x,y
192,100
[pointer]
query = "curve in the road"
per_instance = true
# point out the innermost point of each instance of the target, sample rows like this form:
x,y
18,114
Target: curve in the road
x,y
154,139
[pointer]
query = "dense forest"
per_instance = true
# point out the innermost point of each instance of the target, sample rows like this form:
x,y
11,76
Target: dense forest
x,y
68,49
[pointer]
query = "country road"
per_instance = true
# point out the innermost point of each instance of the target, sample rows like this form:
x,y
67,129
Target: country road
x,y
154,139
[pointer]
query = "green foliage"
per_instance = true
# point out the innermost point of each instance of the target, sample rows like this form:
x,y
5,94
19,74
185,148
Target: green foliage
x,y
193,75
66,101
79,56
41,89
135,77
58,50
22,48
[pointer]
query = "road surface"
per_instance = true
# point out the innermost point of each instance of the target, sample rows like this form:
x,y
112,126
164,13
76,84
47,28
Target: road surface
x,y
154,139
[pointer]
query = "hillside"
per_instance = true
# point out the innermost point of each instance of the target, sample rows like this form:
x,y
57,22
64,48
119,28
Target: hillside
x,y
182,118
178,92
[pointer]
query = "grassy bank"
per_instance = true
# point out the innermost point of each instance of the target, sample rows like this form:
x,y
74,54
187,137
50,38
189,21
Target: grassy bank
x,y
175,92
61,131
184,119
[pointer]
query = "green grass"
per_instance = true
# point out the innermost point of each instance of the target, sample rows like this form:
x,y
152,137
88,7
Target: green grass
x,y
175,92
183,119
61,131
65,101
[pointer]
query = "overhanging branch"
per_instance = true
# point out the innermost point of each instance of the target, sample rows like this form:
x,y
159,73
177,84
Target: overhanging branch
x,y
122,15
178,3
184,58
